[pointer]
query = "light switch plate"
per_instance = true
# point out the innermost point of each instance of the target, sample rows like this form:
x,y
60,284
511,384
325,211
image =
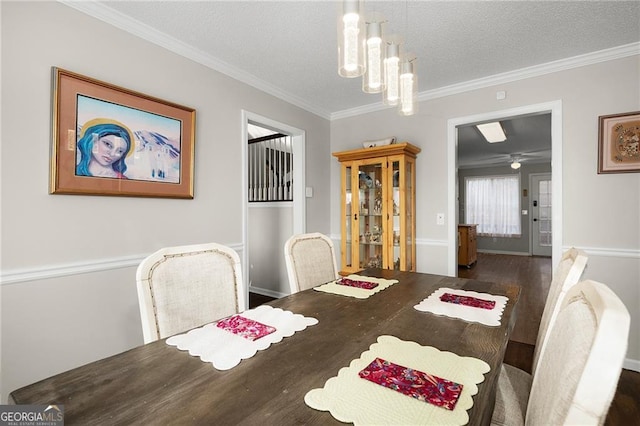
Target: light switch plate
x,y
440,219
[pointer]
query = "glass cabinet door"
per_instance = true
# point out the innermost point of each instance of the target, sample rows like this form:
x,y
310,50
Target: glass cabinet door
x,y
370,221
409,225
402,217
397,230
347,248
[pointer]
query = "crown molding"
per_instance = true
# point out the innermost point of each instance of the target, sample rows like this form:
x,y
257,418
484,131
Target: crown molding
x,y
508,77
145,32
137,28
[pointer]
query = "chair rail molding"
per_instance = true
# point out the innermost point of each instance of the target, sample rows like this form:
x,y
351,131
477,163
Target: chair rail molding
x,y
44,272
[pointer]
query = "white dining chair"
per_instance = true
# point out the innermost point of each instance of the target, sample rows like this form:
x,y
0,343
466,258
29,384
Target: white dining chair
x,y
578,372
184,287
567,274
310,260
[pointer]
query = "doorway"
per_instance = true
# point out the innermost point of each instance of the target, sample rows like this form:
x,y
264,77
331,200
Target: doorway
x,y
555,109
295,221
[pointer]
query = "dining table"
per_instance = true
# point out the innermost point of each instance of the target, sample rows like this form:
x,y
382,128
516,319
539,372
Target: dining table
x,y
157,383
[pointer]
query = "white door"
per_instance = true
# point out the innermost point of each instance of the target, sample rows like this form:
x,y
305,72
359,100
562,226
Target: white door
x,y
541,231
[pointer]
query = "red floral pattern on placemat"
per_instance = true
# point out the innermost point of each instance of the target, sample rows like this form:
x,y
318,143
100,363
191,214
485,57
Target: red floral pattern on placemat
x,y
245,327
468,301
356,283
414,383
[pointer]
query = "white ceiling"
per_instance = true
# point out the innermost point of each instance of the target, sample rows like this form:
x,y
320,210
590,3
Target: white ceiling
x,y
528,140
288,48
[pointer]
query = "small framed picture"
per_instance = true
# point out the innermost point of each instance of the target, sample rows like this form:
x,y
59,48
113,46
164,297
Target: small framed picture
x,y
107,140
619,143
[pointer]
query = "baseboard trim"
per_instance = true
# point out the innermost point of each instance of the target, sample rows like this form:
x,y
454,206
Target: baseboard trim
x,y
266,292
631,364
512,253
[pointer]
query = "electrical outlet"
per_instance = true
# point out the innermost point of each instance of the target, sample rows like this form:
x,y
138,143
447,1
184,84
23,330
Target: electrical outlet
x,y
440,219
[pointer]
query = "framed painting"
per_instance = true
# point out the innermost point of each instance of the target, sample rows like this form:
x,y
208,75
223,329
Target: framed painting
x,y
107,140
619,143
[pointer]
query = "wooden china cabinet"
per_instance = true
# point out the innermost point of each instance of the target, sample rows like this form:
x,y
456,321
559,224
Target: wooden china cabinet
x,y
378,207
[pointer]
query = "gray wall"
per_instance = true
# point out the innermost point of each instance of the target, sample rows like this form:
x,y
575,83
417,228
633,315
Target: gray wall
x,y
516,245
68,281
599,212
68,289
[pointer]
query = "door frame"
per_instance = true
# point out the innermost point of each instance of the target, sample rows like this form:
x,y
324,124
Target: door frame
x,y
553,107
299,200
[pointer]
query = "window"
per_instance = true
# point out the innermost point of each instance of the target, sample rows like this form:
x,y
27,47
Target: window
x,y
493,203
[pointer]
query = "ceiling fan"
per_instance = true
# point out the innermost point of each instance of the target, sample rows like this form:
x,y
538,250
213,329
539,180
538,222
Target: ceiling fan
x,y
516,159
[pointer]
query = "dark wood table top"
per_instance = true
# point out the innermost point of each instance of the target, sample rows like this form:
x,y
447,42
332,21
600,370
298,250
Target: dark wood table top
x,y
159,384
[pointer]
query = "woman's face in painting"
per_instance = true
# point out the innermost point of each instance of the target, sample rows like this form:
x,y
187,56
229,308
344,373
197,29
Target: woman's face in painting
x,y
109,149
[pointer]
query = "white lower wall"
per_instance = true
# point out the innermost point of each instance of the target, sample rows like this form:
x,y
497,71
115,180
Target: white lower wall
x,y
620,270
52,325
270,225
62,316
59,317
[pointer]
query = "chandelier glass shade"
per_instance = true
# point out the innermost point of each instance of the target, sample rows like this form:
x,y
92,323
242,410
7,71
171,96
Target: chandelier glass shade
x,y
350,40
392,74
408,86
373,80
364,51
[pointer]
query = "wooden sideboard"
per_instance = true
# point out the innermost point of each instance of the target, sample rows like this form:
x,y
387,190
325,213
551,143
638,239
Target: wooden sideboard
x,y
467,245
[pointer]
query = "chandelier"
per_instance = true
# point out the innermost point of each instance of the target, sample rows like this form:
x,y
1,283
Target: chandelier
x,y
364,51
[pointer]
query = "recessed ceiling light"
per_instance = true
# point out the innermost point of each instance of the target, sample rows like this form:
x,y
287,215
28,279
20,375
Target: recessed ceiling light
x,y
492,132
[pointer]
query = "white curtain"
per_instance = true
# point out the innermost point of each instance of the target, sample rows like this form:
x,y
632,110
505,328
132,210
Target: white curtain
x,y
493,203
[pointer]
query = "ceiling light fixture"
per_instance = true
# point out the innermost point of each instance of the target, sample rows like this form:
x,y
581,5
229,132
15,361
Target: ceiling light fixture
x,y
350,34
515,164
376,59
408,84
373,80
492,132
392,74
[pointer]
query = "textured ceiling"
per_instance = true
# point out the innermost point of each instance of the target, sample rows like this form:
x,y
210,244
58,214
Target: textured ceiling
x,y
288,48
528,139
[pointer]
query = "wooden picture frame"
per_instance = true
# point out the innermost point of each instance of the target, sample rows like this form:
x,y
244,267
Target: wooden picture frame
x,y
107,140
619,143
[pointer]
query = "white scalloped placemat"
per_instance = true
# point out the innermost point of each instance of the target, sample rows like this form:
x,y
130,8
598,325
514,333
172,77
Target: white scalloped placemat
x,y
490,317
358,293
350,398
224,349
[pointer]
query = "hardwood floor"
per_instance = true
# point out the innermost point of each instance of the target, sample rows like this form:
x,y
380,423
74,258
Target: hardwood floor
x,y
534,275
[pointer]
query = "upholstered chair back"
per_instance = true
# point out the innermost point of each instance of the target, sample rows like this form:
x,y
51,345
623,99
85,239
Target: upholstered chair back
x,y
310,260
180,288
567,274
